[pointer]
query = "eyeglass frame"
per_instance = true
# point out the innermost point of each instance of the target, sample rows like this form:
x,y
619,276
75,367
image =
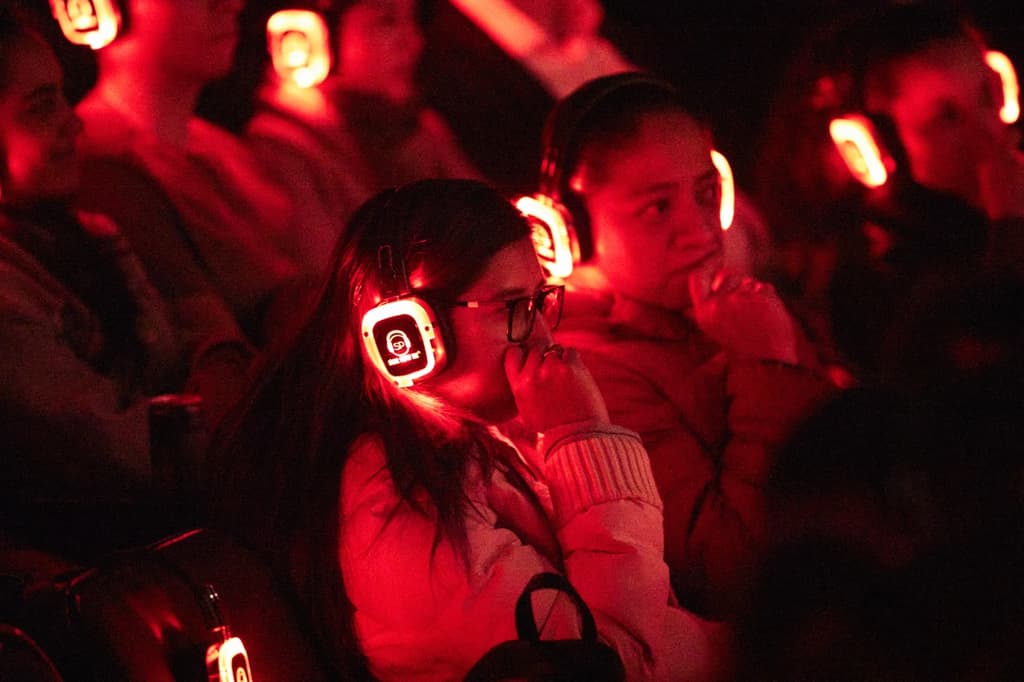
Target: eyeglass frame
x,y
537,303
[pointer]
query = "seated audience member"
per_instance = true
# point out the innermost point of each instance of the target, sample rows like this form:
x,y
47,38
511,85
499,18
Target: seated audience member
x,y
86,339
190,196
955,186
370,125
408,525
706,364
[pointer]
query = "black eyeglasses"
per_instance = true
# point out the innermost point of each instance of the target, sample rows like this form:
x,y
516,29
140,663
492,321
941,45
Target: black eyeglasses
x,y
523,311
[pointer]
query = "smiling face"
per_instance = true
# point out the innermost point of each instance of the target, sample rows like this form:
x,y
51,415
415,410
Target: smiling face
x,y
37,127
945,103
474,379
653,204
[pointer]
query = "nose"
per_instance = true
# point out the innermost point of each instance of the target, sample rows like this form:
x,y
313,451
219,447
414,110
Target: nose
x,y
541,332
699,230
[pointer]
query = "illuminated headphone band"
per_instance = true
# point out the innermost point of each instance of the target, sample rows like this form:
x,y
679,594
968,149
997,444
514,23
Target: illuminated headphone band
x,y
560,137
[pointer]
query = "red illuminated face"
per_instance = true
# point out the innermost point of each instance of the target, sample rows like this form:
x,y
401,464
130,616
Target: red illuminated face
x,y
195,39
474,379
654,207
945,105
37,127
379,46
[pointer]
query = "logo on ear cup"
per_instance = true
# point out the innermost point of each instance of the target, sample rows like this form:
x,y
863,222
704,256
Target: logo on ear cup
x,y
398,343
401,339
1009,112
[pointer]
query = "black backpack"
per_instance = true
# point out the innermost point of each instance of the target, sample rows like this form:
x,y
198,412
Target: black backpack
x,y
532,659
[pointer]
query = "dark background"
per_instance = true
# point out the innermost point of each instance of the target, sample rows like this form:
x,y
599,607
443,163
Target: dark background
x,y
731,52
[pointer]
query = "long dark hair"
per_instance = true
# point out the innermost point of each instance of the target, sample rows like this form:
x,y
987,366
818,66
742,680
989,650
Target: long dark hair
x,y
279,458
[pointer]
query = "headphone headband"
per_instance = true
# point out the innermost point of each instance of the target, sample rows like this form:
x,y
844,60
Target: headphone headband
x,y
558,139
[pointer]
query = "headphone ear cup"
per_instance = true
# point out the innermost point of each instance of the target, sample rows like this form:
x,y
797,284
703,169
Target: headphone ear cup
x,y
299,45
727,206
403,342
95,23
862,149
554,237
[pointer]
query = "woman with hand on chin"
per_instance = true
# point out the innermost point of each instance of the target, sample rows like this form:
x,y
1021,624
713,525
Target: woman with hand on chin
x,y
407,523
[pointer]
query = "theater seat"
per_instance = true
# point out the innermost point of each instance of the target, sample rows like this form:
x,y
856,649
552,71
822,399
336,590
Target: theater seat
x,y
141,615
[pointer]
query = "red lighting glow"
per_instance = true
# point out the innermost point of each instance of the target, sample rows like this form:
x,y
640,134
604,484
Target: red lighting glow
x,y
553,239
1001,64
88,22
728,205
855,140
299,47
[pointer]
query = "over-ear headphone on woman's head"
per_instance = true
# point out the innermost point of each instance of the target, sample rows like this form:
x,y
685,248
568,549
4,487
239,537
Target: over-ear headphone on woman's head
x,y
89,22
869,144
400,333
300,47
561,231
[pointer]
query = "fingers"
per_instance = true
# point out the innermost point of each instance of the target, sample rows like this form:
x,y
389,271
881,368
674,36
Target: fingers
x,y
526,360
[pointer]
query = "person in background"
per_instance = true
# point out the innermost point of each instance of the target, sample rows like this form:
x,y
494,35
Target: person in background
x,y
408,525
207,223
87,340
704,362
955,193
362,129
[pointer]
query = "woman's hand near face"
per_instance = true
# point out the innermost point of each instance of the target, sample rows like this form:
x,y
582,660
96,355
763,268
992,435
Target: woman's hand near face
x,y
552,387
745,316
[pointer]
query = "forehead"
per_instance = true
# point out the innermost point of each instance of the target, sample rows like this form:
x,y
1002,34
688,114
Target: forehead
x,y
667,146
513,270
948,68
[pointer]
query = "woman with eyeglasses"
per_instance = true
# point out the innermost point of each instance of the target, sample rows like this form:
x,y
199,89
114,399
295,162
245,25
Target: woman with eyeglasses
x,y
367,461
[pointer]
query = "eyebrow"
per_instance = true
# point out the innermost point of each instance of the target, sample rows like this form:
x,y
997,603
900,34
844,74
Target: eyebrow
x,y
515,292
659,187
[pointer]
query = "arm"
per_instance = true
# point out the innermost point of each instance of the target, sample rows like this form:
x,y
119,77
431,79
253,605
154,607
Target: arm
x,y
217,351
425,612
710,446
69,428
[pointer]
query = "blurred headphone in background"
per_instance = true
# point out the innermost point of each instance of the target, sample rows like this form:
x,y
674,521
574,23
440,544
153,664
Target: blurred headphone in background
x,y
561,229
400,333
88,22
299,44
870,147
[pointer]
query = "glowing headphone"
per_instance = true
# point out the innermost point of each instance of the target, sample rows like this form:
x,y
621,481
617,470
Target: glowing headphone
x,y
400,334
88,22
558,225
870,152
299,44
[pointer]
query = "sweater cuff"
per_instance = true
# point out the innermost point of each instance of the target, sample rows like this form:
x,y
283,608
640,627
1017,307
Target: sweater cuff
x,y
595,466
